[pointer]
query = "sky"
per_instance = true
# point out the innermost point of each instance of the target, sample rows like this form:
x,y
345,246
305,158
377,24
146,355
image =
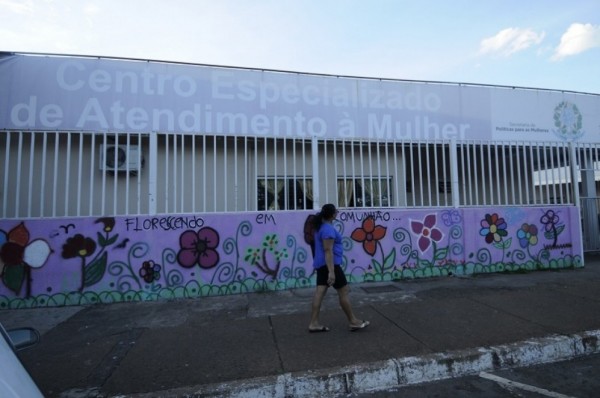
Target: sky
x,y
548,44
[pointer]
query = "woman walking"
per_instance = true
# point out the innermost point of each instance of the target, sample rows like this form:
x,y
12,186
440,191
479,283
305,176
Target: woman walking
x,y
328,255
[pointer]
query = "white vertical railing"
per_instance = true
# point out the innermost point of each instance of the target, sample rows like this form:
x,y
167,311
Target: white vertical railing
x,y
60,174
42,195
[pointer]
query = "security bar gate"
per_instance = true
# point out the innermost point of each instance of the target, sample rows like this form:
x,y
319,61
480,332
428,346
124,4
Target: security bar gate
x,y
64,174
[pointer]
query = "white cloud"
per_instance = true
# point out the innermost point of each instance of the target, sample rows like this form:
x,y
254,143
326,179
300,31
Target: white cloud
x,y
577,39
510,40
17,6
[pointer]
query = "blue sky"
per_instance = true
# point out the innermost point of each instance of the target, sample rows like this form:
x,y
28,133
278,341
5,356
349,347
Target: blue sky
x,y
529,43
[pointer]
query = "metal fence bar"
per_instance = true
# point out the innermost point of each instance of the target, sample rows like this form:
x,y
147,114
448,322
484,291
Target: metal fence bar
x,y
501,182
565,174
30,179
5,186
454,173
80,173
446,178
204,204
397,173
574,172
246,174
19,159
315,166
545,193
255,149
236,181
465,165
42,210
515,171
326,172
345,173
552,195
182,174
56,173
520,172
412,173
336,171
214,156
483,179
497,168
437,185
127,172
390,175
531,168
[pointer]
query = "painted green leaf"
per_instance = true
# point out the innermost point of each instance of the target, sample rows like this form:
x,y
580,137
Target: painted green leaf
x,y
422,263
559,229
101,240
553,233
94,272
389,260
376,266
14,276
112,240
504,244
441,254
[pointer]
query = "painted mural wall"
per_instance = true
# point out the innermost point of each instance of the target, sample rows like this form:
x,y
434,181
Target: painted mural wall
x,y
58,262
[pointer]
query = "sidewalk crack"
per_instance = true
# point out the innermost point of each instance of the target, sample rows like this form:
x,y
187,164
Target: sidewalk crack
x,y
276,344
545,327
113,358
392,321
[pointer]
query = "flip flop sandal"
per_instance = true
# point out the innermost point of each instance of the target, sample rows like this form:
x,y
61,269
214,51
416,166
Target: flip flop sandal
x,y
363,325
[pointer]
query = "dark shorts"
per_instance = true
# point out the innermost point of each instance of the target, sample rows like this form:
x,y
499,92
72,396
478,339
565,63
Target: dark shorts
x,y
323,274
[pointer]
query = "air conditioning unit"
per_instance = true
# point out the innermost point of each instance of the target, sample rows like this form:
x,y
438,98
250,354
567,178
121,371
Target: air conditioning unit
x,y
120,158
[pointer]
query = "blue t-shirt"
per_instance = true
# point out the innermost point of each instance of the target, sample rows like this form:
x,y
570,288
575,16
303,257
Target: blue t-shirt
x,y
327,231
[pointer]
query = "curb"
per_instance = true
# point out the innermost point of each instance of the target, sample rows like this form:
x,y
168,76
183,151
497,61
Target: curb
x,y
393,373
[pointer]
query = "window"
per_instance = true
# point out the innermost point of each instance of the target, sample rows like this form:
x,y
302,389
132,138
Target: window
x,y
445,186
364,192
284,194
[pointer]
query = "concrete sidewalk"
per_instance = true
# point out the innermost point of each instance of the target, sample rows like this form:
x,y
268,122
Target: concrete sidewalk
x,y
258,344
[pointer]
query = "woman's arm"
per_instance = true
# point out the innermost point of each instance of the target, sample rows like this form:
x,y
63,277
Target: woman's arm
x,y
328,248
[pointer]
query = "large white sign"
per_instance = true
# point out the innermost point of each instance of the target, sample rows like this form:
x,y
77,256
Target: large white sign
x,y
60,93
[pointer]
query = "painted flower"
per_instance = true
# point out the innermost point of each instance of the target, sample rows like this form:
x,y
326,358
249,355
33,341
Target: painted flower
x,y
493,228
427,231
527,235
549,219
150,271
16,249
78,246
270,242
369,234
199,248
109,223
451,217
18,255
252,255
281,254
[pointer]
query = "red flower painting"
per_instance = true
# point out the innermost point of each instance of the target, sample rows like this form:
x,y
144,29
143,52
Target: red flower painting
x,y
369,234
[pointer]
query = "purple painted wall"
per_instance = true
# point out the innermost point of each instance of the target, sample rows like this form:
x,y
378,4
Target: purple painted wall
x,y
56,262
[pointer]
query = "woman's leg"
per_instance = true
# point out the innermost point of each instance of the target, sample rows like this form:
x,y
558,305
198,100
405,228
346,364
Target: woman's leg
x,y
316,307
346,306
